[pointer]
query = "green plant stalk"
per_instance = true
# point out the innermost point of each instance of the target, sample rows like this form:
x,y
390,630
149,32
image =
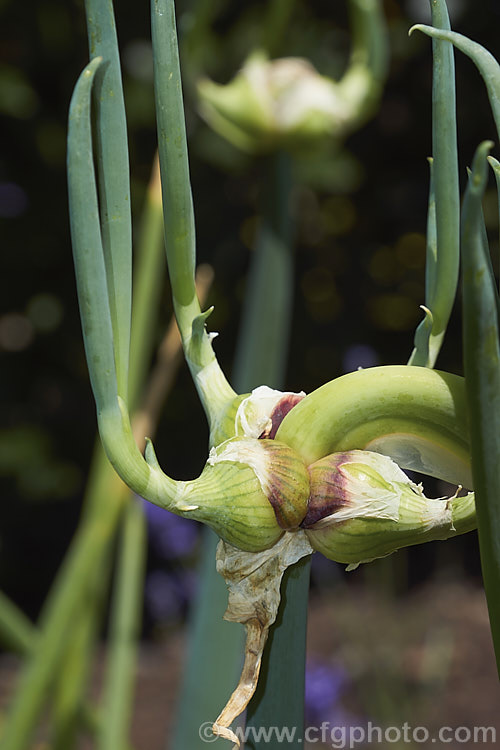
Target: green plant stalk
x,y
262,357
17,632
279,698
113,178
124,631
370,47
213,655
362,81
274,25
72,676
87,553
443,252
147,287
482,373
214,390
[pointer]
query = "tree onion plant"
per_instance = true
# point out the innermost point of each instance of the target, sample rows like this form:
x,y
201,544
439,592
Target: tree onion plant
x,y
287,475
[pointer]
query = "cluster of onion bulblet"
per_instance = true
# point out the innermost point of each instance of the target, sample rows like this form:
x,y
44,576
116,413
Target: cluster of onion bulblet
x,y
354,506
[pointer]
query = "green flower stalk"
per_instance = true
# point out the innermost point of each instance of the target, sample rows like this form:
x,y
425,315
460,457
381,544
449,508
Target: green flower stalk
x,y
443,223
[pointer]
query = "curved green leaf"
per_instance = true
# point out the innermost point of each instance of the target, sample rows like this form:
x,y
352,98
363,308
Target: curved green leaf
x,y
112,163
484,61
482,373
87,245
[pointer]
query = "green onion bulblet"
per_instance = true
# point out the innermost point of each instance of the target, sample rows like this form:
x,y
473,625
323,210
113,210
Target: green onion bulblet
x,y
250,492
363,506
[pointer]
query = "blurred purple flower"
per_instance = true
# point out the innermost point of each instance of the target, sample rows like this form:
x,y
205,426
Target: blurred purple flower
x,y
324,686
167,594
162,596
170,535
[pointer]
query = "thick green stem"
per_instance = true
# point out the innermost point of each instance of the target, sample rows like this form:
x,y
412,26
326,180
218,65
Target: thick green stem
x,y
279,699
482,373
213,654
124,630
268,298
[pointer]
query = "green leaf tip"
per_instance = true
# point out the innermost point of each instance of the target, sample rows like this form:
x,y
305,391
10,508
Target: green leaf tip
x,y
494,164
150,455
479,172
199,321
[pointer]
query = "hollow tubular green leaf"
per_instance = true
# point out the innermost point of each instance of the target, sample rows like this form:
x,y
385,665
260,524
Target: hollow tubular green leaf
x,y
415,415
214,390
495,165
124,631
114,424
113,178
484,61
444,201
87,245
420,355
482,377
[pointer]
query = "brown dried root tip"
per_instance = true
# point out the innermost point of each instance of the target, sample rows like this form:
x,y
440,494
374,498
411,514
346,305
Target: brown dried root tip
x,y
239,700
253,580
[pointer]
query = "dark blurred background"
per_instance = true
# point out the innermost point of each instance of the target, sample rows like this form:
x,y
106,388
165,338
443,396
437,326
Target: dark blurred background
x,y
360,251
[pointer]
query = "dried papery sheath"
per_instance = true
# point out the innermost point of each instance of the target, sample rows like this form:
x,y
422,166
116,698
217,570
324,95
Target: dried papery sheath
x,y
253,580
258,414
362,506
279,412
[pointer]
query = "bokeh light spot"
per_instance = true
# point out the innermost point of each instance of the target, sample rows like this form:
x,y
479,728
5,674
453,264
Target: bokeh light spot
x,y
393,312
16,332
411,250
45,311
320,293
